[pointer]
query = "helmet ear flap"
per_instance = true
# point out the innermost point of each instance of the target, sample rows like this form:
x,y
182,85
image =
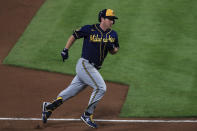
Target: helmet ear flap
x,y
99,16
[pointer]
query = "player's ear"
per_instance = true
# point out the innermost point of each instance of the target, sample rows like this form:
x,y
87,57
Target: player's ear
x,y
102,19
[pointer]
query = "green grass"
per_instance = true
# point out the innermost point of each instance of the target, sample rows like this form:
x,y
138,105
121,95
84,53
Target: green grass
x,y
157,56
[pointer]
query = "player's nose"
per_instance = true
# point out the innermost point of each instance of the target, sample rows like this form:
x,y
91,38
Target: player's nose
x,y
111,21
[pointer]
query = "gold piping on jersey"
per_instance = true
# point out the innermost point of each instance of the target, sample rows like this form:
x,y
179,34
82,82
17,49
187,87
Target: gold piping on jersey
x,y
100,42
105,43
97,88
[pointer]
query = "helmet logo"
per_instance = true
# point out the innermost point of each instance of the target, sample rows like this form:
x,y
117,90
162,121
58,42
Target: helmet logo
x,y
110,12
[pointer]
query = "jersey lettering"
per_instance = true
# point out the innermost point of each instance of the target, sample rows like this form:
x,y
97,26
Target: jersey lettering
x,y
96,38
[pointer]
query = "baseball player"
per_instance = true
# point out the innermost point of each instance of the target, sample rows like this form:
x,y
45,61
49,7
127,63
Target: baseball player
x,y
99,39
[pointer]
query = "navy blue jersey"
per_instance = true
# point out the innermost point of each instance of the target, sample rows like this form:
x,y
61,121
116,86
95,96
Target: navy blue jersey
x,y
96,41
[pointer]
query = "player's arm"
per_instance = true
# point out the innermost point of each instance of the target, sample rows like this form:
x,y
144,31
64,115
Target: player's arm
x,y
69,43
114,47
114,50
77,34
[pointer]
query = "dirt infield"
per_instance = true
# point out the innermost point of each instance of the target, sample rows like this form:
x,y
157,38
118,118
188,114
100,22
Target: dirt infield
x,y
23,90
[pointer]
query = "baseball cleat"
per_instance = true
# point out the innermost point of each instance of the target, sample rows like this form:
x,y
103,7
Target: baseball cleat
x,y
88,120
45,113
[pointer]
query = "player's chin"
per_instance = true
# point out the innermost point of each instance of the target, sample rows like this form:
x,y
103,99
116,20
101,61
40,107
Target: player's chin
x,y
110,25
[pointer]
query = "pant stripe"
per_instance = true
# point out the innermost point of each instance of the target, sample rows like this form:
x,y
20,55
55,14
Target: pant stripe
x,y
97,88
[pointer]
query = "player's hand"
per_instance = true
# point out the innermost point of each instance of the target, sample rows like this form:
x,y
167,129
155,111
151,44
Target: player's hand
x,y
64,54
110,46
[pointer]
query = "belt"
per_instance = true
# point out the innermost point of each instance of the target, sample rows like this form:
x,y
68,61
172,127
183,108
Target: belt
x,y
93,64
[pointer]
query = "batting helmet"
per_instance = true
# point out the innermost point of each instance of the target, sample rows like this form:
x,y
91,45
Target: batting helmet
x,y
107,13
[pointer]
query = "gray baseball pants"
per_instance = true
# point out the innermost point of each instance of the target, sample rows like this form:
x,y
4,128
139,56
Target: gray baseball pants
x,y
87,74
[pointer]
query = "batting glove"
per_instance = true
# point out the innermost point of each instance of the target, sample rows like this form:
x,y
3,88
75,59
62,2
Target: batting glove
x,y
64,54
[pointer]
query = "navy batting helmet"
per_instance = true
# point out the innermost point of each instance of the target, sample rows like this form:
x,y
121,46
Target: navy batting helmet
x,y
107,13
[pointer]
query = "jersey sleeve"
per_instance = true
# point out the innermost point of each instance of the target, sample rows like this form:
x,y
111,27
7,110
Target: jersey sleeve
x,y
82,32
116,43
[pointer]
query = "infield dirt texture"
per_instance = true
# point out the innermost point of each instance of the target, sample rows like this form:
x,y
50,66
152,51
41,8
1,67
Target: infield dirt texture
x,y
23,90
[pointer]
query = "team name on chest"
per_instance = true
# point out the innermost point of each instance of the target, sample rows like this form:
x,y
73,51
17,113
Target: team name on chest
x,y
96,38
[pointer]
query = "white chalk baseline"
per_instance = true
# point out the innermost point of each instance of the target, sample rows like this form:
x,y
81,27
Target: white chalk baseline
x,y
102,120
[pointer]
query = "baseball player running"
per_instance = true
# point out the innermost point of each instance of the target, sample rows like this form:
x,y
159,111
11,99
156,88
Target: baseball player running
x,y
99,39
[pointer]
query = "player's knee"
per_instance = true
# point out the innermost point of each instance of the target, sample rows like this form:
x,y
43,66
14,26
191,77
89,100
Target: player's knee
x,y
103,89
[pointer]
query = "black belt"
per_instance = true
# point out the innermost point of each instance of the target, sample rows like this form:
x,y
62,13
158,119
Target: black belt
x,y
96,66
93,64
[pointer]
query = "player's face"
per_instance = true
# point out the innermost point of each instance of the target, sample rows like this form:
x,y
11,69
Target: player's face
x,y
108,22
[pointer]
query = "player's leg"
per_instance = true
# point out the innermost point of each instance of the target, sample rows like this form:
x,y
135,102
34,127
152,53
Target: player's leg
x,y
75,87
91,77
99,89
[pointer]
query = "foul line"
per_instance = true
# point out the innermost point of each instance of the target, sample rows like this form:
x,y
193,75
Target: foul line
x,y
103,120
